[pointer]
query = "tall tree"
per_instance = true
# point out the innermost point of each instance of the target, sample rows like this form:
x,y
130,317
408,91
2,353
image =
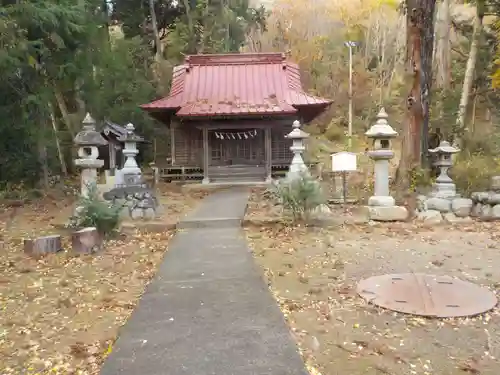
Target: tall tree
x,y
420,41
470,70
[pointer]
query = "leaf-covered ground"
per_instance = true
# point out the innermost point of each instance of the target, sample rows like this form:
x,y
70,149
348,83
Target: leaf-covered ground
x,y
313,274
61,314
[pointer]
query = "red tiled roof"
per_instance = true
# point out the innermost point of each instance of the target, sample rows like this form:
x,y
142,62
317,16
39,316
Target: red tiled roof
x,y
236,84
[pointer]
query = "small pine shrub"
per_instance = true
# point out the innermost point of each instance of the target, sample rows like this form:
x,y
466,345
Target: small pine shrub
x,y
299,197
95,212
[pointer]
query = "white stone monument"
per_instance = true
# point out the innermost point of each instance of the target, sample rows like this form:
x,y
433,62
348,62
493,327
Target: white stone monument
x,y
381,205
88,141
297,166
130,174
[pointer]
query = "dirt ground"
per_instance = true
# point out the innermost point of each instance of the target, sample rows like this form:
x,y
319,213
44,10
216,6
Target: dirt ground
x,y
313,273
61,314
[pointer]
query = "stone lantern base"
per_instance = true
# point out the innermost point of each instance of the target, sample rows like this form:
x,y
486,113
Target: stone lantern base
x,y
445,190
383,208
387,213
380,201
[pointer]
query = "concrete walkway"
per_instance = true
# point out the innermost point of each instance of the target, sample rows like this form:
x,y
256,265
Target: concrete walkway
x,y
208,311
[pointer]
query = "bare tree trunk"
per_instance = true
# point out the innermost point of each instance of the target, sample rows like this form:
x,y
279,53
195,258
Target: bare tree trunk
x,y
64,169
473,117
105,13
469,72
154,25
42,158
442,56
192,46
64,111
80,103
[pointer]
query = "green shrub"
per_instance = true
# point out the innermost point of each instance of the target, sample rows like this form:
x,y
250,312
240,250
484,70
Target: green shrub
x,y
19,192
300,196
334,133
473,172
93,211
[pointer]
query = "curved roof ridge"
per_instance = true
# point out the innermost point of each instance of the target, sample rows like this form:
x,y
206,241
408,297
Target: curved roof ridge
x,y
236,58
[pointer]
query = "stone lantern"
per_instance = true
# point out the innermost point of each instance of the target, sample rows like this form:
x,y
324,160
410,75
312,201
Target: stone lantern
x,y
297,166
88,141
382,205
131,174
444,186
381,133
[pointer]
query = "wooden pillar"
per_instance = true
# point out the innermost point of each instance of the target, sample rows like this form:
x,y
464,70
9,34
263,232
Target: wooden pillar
x,y
206,178
268,152
172,143
112,156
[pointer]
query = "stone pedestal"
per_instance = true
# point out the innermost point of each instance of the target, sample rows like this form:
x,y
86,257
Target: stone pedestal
x,y
88,175
338,183
381,195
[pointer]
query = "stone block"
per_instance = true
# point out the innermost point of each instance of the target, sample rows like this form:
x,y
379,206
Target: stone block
x,y
381,201
149,214
85,241
482,196
476,210
421,203
136,213
321,212
42,245
495,211
485,211
386,213
493,199
430,217
495,183
451,218
439,204
461,207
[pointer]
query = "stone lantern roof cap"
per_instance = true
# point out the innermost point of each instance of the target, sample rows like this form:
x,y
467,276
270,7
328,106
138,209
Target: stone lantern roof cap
x,y
444,148
297,132
88,136
381,129
130,135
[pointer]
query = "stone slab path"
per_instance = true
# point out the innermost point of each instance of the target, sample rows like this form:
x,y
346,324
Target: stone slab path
x,y
208,311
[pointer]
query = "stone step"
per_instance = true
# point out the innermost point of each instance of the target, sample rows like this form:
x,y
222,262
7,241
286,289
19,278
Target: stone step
x,y
238,174
252,170
229,179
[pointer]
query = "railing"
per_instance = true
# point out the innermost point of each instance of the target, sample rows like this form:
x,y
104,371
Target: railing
x,y
181,173
193,173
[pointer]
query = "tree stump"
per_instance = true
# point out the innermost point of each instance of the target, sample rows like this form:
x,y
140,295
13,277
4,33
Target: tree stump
x,y
42,245
85,241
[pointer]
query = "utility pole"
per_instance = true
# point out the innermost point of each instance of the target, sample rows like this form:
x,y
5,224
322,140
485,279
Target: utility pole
x,y
350,44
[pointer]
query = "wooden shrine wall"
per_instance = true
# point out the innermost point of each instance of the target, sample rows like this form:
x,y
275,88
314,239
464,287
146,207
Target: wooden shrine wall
x,y
182,145
280,146
187,146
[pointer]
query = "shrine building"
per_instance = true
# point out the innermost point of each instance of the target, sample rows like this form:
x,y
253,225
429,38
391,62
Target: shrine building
x,y
228,116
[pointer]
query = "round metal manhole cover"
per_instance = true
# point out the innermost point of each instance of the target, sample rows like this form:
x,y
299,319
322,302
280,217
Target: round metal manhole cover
x,y
427,295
